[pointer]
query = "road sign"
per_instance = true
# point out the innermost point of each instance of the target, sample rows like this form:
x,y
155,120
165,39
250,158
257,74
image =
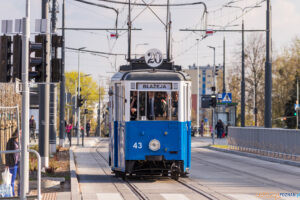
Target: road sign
x,y
297,106
226,98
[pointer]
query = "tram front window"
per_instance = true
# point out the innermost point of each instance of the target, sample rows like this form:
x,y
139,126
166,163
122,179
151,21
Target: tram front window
x,y
160,106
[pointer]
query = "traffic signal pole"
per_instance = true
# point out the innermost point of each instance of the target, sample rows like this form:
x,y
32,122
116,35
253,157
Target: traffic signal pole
x,y
53,89
24,175
45,98
62,84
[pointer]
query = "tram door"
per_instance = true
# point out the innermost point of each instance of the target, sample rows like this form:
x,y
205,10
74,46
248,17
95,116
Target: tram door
x,y
119,127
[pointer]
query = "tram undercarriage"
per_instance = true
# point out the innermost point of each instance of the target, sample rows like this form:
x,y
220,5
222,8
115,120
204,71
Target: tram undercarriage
x,y
153,166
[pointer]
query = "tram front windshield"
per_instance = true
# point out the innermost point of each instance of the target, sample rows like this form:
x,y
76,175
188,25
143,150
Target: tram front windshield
x,y
152,105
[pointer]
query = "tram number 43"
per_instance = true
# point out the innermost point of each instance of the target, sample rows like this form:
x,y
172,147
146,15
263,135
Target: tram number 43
x,y
137,145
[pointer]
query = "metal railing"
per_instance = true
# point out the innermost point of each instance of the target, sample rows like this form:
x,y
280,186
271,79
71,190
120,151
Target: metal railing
x,y
268,140
39,194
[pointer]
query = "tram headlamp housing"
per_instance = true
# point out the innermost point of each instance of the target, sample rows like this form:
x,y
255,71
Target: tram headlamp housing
x,y
154,145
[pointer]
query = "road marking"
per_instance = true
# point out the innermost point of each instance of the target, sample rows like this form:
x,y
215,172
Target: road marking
x,y
243,197
109,196
174,196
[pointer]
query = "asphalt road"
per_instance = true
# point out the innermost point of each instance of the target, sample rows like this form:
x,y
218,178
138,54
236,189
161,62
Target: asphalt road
x,y
214,175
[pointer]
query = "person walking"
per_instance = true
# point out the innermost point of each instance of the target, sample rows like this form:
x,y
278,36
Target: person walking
x,y
69,132
202,128
220,128
12,160
32,127
88,128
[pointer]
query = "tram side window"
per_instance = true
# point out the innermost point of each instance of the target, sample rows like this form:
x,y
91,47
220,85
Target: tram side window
x,y
174,109
133,105
142,106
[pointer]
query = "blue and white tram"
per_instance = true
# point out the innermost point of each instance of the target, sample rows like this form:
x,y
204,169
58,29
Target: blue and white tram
x,y
150,121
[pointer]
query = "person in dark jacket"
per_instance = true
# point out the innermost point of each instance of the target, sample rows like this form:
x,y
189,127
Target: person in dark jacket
x,y
32,127
12,160
220,128
88,128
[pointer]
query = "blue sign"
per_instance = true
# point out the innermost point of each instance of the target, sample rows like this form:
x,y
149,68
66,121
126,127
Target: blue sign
x,y
226,98
297,106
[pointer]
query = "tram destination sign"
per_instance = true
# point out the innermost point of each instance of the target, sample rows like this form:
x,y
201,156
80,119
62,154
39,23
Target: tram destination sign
x,y
154,86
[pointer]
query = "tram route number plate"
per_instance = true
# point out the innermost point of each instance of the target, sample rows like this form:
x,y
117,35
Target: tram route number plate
x,y
153,58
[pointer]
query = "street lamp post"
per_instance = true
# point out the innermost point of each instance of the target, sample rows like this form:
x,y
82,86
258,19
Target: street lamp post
x,y
198,93
78,93
214,92
243,9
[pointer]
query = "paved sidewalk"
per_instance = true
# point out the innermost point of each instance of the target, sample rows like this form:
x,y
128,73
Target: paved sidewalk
x,y
88,142
206,141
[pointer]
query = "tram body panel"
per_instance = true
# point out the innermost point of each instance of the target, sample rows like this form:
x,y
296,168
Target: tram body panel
x,y
130,139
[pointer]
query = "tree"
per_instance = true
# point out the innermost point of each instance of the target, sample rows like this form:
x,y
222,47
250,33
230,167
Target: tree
x,y
254,75
285,71
89,90
254,81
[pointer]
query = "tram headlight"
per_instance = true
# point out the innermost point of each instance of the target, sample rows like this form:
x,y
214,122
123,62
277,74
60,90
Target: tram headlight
x,y
154,145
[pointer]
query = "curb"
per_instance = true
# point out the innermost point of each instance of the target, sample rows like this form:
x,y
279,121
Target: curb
x,y
265,158
75,192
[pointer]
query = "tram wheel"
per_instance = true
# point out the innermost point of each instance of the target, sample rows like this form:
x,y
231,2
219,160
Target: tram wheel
x,y
124,177
175,176
165,173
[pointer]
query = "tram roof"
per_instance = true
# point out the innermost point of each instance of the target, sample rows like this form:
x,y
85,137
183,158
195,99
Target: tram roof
x,y
150,75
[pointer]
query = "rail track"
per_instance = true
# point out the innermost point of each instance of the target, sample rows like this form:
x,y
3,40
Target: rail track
x,y
142,196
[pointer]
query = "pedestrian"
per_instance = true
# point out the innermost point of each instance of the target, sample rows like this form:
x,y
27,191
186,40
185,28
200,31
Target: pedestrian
x,y
68,131
226,129
12,160
220,128
32,127
202,128
88,128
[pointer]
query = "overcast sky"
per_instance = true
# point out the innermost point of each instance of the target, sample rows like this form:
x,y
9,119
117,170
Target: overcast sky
x,y
285,27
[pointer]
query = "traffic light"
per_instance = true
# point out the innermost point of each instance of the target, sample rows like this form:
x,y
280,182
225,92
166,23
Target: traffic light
x,y
38,62
56,62
5,58
213,101
17,57
55,70
79,101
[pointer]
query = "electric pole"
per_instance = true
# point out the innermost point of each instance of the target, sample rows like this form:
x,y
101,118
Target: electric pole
x,y
53,89
24,175
243,77
44,91
224,84
62,84
268,70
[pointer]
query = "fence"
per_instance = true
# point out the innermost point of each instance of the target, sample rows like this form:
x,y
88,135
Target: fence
x,y
39,192
10,101
9,123
283,141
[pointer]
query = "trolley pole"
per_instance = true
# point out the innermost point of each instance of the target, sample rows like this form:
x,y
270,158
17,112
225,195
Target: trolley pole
x,y
25,105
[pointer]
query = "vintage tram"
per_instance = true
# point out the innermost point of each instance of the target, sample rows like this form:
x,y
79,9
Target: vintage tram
x,y
150,120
